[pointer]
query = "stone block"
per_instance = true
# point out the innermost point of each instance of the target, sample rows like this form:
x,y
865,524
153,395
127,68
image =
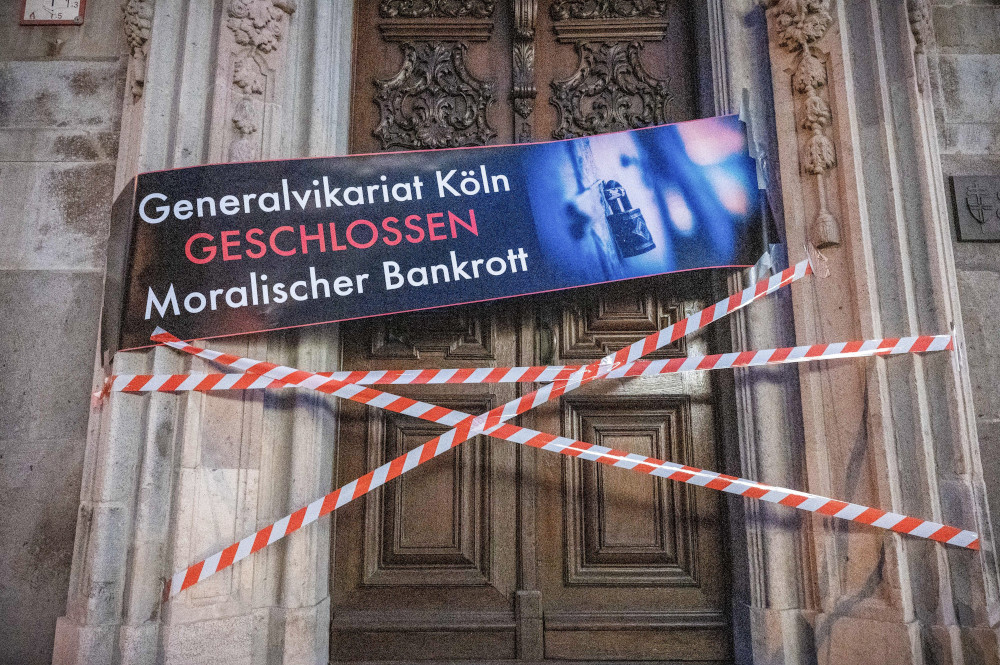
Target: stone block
x,y
989,441
60,93
139,643
57,145
84,645
209,510
225,641
223,436
845,639
779,637
145,588
988,430
977,290
972,256
952,645
116,455
48,334
979,645
971,88
973,28
306,569
100,557
108,546
63,213
304,633
970,139
40,484
937,641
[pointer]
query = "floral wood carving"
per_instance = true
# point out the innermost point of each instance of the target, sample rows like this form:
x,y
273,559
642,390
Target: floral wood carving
x,y
610,91
436,8
138,23
433,101
524,92
257,27
799,24
564,9
923,34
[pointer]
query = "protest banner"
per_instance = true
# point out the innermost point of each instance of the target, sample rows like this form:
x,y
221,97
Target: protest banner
x,y
225,249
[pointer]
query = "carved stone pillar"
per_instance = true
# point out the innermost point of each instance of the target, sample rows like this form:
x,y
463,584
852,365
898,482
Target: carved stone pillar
x,y
894,434
171,478
773,571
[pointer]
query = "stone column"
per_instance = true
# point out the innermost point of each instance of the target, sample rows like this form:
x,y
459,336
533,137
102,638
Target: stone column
x,y
169,479
773,573
861,180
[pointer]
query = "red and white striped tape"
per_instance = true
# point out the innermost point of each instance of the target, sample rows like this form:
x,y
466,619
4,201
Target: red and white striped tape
x,y
468,427
619,458
137,383
649,465
701,477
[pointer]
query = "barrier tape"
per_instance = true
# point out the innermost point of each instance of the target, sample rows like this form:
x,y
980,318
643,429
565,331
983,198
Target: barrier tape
x,y
200,382
648,465
681,473
467,428
652,466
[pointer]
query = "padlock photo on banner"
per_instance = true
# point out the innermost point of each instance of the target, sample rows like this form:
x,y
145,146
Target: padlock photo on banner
x,y
645,202
628,227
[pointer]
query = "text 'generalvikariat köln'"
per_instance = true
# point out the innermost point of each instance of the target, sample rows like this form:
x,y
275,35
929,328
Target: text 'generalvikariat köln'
x,y
155,207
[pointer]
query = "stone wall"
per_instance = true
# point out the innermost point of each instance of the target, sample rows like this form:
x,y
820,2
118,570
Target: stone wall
x,y
965,64
61,92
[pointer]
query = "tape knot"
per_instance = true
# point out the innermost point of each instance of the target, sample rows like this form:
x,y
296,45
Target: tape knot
x,y
98,396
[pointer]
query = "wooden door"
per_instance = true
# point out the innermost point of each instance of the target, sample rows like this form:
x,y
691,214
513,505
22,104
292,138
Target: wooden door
x,y
496,552
630,567
425,567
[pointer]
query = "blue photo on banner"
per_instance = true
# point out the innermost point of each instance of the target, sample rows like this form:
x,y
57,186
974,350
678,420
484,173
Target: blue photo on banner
x,y
644,202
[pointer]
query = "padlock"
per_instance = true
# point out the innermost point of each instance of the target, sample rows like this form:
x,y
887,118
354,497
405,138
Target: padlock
x,y
628,227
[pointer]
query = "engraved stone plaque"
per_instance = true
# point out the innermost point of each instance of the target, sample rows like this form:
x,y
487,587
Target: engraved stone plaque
x,y
977,203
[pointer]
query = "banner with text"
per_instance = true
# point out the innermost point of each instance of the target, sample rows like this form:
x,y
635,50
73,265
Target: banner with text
x,y
218,250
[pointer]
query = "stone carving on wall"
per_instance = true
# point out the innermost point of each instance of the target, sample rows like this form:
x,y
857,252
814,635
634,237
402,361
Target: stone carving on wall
x,y
799,24
524,92
257,27
610,91
603,9
138,24
433,101
436,8
919,12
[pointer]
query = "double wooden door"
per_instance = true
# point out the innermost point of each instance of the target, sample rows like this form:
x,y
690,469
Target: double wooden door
x,y
494,551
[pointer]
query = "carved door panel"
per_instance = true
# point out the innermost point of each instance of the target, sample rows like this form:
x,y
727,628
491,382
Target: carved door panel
x,y
425,567
631,567
494,551
430,74
452,73
609,65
